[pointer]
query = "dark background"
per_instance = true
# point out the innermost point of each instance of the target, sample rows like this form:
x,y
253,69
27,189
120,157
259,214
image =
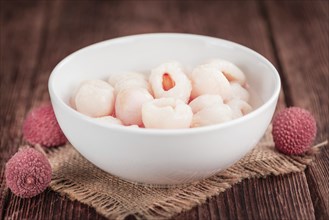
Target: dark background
x,y
293,35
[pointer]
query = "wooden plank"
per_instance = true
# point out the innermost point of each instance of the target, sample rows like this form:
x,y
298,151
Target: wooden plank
x,y
282,197
49,205
20,37
285,205
19,49
23,85
301,33
86,24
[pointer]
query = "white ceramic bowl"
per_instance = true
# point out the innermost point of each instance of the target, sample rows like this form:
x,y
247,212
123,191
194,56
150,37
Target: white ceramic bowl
x,y
162,156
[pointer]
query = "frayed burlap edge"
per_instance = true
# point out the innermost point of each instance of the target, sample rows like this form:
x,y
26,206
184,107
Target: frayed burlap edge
x,y
164,203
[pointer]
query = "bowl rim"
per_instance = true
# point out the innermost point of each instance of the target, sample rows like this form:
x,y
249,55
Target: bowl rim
x,y
149,131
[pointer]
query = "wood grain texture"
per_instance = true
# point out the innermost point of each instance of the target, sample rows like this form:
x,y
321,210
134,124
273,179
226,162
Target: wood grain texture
x,y
19,54
282,197
303,50
35,36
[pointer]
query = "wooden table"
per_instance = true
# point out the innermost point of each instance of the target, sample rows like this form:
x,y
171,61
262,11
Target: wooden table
x,y
293,35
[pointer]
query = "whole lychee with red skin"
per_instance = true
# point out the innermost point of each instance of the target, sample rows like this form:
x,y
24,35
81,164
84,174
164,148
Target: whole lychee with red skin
x,y
294,130
41,127
28,173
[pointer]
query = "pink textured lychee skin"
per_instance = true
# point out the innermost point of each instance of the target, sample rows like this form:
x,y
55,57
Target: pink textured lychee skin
x,y
28,173
294,130
41,127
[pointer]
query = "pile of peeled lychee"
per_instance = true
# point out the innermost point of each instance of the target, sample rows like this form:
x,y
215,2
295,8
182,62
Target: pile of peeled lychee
x,y
28,172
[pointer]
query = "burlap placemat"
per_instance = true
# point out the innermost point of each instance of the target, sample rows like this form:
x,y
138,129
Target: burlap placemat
x,y
112,197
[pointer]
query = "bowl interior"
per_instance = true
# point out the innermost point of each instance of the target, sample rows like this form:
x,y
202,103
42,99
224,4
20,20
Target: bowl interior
x,y
143,52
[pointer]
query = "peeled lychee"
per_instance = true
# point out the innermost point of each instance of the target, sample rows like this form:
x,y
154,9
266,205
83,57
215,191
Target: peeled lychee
x,y
294,130
28,173
41,127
